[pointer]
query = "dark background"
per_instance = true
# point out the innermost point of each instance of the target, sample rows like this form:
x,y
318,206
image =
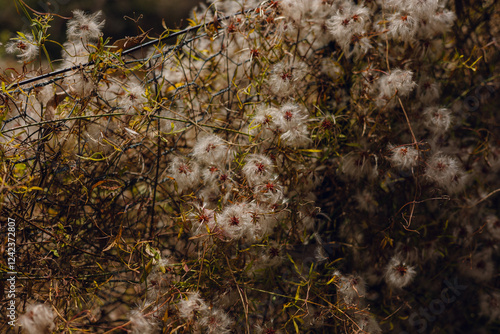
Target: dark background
x,y
174,12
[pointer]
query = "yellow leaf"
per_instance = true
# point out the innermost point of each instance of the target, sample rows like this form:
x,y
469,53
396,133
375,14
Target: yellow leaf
x,y
296,326
311,150
334,278
92,157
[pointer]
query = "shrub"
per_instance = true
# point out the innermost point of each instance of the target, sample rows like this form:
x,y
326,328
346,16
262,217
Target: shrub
x,y
294,166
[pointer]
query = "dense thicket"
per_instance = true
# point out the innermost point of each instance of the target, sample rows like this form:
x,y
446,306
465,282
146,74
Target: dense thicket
x,y
296,166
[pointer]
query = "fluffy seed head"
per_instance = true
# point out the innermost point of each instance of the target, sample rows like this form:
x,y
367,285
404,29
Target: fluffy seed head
x,y
403,157
186,174
85,28
210,149
25,47
399,81
438,120
446,172
398,274
141,324
38,319
235,220
191,305
258,169
285,77
216,321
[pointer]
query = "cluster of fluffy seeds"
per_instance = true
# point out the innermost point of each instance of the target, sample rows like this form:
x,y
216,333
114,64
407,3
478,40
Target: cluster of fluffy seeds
x,y
398,274
38,319
404,157
213,320
258,169
211,150
24,46
446,172
397,82
351,288
85,28
348,24
285,78
300,140
140,323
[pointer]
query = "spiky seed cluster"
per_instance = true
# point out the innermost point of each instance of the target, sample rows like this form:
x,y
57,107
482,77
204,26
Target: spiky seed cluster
x,y
192,305
133,98
438,120
349,21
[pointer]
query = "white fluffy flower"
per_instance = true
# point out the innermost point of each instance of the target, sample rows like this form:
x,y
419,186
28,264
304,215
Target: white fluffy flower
x,y
216,321
285,76
350,20
235,220
351,288
402,26
367,323
290,116
360,46
75,53
296,137
438,120
39,319
423,9
84,27
427,91
258,168
191,305
398,274
403,157
134,97
80,84
140,324
202,221
438,23
186,174
270,192
262,123
399,81
210,149
446,172
25,46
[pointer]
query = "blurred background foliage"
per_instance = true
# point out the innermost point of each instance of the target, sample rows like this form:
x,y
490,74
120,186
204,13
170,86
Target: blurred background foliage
x,y
123,17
